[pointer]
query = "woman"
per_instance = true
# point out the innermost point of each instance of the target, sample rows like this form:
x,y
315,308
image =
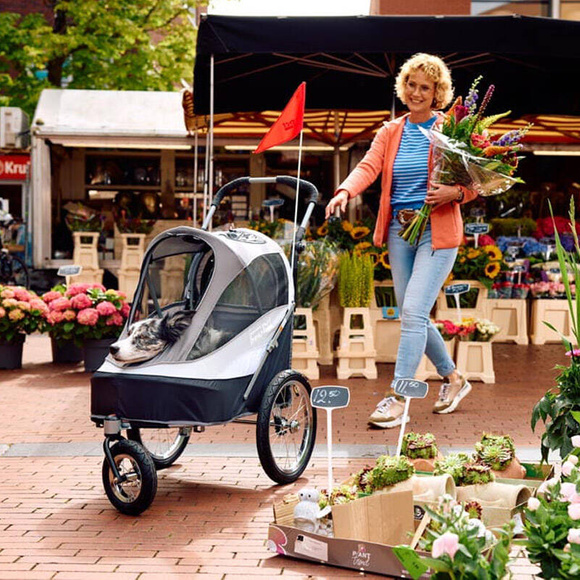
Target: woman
x,y
403,154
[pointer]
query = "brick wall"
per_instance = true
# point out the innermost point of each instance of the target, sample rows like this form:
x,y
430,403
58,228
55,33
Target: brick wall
x,y
26,7
420,7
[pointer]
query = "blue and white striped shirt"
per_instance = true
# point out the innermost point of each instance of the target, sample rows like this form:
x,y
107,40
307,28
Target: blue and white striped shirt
x,y
410,171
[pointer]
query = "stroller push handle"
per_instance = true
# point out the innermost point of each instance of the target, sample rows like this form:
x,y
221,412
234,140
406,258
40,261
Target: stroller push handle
x,y
305,188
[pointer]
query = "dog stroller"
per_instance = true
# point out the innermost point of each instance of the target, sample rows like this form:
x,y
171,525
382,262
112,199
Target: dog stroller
x,y
231,361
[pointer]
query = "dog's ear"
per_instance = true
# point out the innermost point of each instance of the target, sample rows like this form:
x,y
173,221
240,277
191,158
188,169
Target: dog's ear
x,y
173,325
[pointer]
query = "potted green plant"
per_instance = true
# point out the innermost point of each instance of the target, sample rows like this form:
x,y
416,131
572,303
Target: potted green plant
x,y
21,313
421,450
87,315
499,453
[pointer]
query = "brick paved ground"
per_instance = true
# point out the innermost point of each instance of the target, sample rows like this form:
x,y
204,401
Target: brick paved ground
x,y
210,515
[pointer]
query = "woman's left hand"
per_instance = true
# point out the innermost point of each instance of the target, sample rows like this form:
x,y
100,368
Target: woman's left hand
x,y
440,194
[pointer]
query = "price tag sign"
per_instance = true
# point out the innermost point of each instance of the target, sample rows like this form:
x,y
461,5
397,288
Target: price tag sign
x,y
519,268
457,289
475,228
330,397
411,388
69,270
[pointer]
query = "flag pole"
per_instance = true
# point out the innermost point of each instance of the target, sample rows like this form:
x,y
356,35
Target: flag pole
x,y
293,257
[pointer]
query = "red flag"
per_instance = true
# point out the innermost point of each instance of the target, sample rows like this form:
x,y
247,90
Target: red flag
x,y
288,124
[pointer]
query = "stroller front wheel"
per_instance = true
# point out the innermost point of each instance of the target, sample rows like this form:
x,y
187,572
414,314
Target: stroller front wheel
x,y
286,427
133,492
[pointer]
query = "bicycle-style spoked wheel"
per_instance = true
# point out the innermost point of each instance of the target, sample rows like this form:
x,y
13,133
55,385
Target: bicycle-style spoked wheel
x,y
164,445
13,271
286,427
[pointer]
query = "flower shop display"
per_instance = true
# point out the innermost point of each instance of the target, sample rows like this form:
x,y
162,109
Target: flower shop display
x,y
421,450
499,453
552,526
88,315
464,153
21,313
356,352
483,264
346,235
459,545
305,352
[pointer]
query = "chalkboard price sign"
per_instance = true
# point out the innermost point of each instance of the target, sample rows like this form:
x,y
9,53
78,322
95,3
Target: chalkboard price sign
x,y
410,388
330,397
518,268
69,270
476,228
457,289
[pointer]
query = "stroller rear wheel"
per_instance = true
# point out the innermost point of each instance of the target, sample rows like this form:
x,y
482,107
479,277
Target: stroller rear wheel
x,y
135,490
286,427
164,445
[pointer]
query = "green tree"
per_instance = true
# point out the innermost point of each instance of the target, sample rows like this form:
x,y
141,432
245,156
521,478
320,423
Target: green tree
x,y
96,44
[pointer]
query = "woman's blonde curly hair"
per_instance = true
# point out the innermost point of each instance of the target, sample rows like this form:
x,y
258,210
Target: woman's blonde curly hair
x,y
435,70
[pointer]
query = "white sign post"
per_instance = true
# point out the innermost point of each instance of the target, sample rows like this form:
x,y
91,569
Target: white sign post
x,y
456,290
329,398
409,389
476,229
68,272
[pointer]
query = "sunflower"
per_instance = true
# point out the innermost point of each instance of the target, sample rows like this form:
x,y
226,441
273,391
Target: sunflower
x,y
323,229
493,252
385,260
492,269
375,257
473,253
462,260
449,279
347,226
361,247
359,232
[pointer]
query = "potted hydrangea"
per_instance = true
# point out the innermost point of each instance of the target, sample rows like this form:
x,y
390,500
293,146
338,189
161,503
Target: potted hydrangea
x,y
87,315
21,313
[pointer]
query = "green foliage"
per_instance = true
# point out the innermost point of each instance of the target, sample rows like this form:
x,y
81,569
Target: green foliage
x,y
496,451
419,446
388,471
511,226
463,469
355,282
144,45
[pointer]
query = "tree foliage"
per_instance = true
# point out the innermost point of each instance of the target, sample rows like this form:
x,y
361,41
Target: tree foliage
x,y
96,44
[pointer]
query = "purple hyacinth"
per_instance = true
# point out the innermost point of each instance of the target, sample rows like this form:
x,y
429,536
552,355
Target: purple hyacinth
x,y
473,95
511,138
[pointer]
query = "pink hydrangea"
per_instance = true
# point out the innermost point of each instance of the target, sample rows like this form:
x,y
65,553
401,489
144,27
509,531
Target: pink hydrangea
x,y
2,312
57,316
22,294
115,320
448,543
24,305
7,293
16,315
38,304
106,308
9,303
60,304
125,308
80,301
88,316
50,296
69,315
75,289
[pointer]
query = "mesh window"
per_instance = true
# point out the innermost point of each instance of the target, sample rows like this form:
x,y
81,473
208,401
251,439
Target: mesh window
x,y
262,286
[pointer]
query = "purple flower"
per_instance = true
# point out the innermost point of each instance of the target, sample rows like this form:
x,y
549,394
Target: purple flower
x,y
485,101
473,95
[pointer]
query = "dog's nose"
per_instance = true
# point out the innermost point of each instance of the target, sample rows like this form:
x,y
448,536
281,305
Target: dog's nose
x,y
113,349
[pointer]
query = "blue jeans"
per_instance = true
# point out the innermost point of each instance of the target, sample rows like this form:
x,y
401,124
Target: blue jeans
x,y
418,274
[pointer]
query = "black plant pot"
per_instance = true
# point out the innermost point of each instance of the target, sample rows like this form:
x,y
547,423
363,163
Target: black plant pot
x,y
65,352
95,351
11,352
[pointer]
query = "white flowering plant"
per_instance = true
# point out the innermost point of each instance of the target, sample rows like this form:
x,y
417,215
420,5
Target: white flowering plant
x,y
461,546
552,522
485,330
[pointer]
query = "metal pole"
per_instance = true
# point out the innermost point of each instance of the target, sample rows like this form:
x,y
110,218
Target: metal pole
x,y
336,151
555,8
211,113
195,170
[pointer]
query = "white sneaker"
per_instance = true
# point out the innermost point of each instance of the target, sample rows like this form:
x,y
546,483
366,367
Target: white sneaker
x,y
388,414
451,394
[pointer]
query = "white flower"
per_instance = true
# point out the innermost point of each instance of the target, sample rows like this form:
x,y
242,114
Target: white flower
x,y
567,468
476,524
572,459
533,504
576,440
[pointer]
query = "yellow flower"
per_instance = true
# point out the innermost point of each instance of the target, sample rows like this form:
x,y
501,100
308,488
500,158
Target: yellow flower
x,y
462,260
385,260
359,232
347,226
375,257
362,246
323,229
449,278
493,252
473,253
492,269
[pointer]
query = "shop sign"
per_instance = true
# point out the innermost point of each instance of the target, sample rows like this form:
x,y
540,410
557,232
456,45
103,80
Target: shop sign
x,y
13,167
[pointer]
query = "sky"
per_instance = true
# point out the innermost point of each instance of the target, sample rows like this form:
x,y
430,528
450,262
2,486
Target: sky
x,y
289,7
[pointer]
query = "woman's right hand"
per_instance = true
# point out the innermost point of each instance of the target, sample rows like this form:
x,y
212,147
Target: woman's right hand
x,y
339,200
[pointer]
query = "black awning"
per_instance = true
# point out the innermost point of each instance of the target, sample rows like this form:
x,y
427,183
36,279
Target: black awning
x,y
350,62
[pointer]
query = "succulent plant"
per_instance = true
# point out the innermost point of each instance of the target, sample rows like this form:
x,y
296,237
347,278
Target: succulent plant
x,y
476,473
388,471
361,480
496,451
339,495
474,509
454,464
419,446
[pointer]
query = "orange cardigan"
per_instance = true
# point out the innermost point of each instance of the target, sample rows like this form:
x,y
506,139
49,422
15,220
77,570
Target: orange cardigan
x,y
446,221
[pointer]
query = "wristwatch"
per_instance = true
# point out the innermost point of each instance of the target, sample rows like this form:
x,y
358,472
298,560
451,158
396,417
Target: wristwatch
x,y
459,199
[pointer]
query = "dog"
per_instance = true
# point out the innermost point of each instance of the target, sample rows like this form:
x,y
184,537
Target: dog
x,y
147,338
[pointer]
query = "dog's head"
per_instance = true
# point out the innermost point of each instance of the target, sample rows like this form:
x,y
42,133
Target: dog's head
x,y
147,338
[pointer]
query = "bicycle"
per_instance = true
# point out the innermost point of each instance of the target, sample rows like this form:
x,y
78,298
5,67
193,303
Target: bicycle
x,y
13,270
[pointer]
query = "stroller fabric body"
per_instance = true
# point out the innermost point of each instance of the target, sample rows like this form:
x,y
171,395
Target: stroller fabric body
x,y
239,285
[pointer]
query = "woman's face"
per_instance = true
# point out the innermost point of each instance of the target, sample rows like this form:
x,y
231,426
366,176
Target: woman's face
x,y
419,93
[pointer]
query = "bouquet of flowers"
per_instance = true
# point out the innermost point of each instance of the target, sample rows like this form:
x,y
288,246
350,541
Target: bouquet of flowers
x,y
483,264
464,153
84,311
81,218
485,330
21,312
447,329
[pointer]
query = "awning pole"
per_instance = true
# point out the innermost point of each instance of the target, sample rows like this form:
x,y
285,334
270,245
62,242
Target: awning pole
x,y
211,110
336,151
195,170
206,177
555,8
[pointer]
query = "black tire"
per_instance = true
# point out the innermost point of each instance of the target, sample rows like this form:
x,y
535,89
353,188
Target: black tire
x,y
13,271
286,427
163,445
131,497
